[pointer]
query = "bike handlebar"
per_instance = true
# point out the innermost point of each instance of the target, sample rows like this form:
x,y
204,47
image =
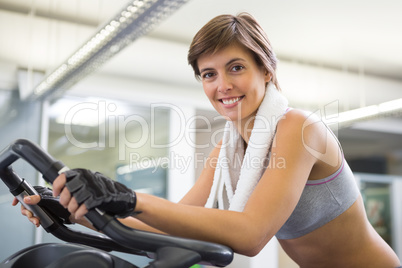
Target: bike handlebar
x,y
122,238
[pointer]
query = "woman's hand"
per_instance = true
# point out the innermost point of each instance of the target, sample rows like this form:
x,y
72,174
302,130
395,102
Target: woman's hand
x,y
82,189
29,200
48,202
66,199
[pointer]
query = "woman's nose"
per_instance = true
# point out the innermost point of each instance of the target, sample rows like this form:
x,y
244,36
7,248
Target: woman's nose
x,y
224,84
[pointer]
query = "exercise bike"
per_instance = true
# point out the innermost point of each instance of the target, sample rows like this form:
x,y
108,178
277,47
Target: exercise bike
x,y
92,250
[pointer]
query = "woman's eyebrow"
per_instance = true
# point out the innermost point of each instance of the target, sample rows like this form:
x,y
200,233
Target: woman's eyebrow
x,y
228,63
233,60
206,69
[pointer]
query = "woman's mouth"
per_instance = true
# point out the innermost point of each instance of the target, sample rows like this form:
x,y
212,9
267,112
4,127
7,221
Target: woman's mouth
x,y
229,101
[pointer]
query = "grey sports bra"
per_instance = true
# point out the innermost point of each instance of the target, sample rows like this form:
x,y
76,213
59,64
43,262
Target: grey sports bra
x,y
321,201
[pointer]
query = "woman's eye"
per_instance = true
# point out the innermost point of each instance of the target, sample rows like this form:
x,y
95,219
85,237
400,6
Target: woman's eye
x,y
237,68
207,75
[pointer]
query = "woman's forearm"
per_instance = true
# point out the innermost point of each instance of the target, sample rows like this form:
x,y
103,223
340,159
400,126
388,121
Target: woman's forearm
x,y
234,229
139,225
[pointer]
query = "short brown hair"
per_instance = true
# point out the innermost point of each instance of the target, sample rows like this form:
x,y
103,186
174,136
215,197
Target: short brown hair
x,y
225,30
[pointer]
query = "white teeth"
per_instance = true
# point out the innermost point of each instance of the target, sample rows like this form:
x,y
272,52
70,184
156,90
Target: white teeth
x,y
231,101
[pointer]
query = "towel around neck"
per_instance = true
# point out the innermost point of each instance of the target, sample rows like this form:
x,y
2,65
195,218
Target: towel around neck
x,y
238,170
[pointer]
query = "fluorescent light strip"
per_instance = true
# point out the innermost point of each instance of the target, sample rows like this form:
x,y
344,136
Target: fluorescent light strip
x,y
390,105
357,113
369,111
133,21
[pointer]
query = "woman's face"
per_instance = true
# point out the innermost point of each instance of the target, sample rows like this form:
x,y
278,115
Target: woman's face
x,y
233,82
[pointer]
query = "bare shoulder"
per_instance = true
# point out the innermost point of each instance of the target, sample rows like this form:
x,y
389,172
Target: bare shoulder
x,y
306,130
300,125
298,118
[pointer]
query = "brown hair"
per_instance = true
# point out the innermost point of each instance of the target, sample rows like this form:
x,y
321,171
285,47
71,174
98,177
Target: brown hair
x,y
225,30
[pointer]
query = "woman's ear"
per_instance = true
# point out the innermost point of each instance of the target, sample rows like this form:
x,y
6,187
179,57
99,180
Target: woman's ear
x,y
268,76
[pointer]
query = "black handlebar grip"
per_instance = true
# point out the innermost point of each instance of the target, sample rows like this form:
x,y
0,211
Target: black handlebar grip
x,y
34,155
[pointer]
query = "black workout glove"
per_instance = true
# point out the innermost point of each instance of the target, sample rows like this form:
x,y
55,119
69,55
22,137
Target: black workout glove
x,y
97,191
52,205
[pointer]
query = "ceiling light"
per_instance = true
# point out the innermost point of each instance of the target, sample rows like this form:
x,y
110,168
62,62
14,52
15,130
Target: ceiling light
x,y
383,109
358,113
136,19
390,105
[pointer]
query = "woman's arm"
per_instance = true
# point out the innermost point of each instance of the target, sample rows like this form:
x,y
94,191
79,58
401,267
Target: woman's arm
x,y
198,194
269,206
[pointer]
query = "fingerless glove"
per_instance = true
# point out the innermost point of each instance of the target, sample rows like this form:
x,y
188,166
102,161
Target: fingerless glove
x,y
98,191
52,204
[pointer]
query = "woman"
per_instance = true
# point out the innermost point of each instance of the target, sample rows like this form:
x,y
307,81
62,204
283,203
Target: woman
x,y
277,171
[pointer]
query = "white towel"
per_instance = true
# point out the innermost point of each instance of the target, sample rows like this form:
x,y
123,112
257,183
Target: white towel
x,y
237,173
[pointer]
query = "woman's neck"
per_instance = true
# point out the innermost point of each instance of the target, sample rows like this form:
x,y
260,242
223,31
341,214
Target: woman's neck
x,y
244,127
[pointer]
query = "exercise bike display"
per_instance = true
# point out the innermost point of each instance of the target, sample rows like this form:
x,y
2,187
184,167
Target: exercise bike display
x,y
92,249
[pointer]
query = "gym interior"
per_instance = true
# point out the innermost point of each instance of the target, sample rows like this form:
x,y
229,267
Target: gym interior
x,y
133,110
